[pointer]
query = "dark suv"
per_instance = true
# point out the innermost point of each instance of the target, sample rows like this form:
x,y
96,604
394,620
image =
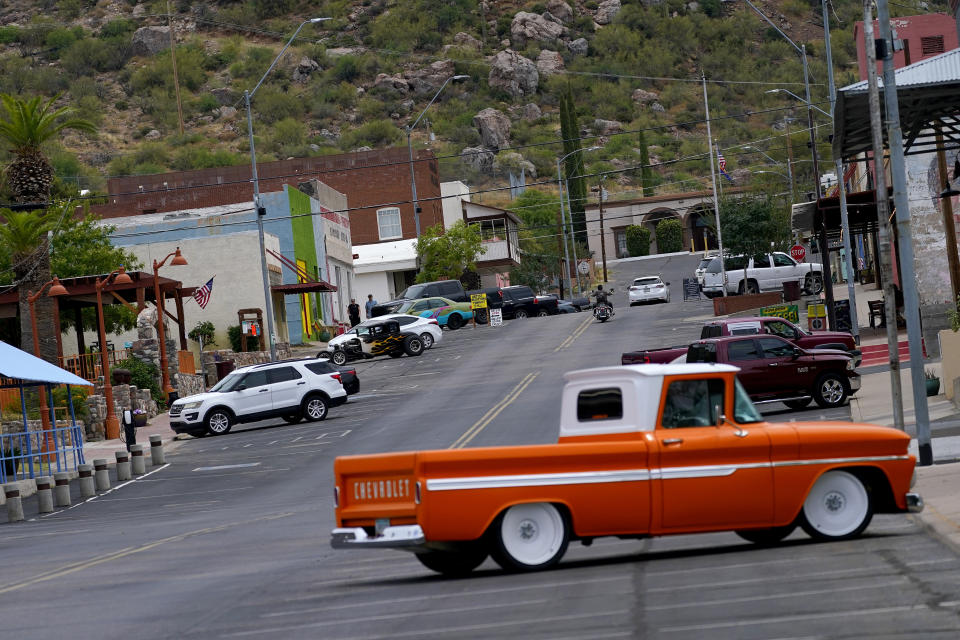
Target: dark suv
x,y
519,301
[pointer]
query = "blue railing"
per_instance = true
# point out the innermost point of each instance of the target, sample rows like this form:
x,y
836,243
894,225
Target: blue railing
x,y
29,454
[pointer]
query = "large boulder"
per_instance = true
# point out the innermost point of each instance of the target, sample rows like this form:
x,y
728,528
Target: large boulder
x,y
429,79
513,162
607,127
560,10
607,11
528,112
549,62
578,47
478,159
303,70
528,27
225,96
393,84
149,41
494,128
463,39
640,96
513,73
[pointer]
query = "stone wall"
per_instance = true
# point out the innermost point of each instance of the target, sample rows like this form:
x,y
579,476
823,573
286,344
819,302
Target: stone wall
x,y
189,385
211,358
125,396
147,346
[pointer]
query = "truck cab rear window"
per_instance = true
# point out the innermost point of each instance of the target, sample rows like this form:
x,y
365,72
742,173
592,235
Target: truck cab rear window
x,y
600,404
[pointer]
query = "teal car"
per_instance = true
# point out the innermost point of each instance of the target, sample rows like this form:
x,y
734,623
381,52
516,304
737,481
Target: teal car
x,y
446,312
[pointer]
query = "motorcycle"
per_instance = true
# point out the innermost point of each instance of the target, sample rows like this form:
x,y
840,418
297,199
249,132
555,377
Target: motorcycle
x,y
602,312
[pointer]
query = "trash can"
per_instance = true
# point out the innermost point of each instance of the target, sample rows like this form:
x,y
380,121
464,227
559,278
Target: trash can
x,y
791,291
223,368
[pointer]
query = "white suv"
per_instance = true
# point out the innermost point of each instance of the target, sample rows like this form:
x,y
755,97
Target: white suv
x,y
290,389
764,273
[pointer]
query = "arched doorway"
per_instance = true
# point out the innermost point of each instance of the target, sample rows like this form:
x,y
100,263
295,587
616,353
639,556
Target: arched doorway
x,y
699,226
652,219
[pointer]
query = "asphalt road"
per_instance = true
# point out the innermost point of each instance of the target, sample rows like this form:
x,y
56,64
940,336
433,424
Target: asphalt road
x,y
231,539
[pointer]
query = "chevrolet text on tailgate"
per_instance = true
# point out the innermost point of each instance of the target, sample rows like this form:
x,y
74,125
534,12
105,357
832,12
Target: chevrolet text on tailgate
x,y
644,450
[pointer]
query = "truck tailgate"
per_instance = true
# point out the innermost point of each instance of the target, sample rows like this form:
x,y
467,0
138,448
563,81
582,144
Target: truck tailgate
x,y
374,487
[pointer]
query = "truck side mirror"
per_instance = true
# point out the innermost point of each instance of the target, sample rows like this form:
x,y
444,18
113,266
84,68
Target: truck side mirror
x,y
797,352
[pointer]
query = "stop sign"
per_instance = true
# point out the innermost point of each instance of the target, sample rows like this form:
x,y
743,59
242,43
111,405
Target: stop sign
x,y
797,252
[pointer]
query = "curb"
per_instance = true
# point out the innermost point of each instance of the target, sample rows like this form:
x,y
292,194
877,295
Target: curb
x,y
939,526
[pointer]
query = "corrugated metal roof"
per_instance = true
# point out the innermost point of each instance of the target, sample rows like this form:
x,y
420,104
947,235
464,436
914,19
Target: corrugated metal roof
x,y
20,365
936,70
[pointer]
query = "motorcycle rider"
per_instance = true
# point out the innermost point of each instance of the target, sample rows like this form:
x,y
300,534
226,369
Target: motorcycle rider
x,y
603,298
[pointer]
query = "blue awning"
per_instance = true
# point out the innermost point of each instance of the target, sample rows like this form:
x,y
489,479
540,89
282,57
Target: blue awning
x,y
20,365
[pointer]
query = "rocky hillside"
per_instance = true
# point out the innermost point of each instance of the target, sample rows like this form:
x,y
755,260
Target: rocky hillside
x,y
357,80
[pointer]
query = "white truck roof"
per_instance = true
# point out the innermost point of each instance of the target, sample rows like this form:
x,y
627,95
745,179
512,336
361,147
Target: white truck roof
x,y
638,388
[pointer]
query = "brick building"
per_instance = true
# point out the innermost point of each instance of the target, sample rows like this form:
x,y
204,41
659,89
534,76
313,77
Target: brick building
x,y
923,36
376,184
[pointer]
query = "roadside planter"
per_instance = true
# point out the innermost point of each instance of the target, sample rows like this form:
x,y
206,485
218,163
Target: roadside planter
x,y
933,382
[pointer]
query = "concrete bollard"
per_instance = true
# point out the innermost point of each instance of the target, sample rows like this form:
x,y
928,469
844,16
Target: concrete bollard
x,y
61,489
156,450
101,475
44,494
85,476
11,491
123,466
138,466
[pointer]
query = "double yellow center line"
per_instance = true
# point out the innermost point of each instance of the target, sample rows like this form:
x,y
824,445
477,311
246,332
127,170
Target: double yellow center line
x,y
494,411
576,334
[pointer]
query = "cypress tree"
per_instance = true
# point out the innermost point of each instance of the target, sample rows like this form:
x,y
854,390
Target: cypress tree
x,y
646,173
574,163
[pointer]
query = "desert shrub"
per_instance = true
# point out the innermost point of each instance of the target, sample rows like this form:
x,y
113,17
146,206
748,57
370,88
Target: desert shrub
x,y
59,39
669,236
273,105
195,157
206,103
82,87
638,240
9,34
234,334
378,133
115,28
289,132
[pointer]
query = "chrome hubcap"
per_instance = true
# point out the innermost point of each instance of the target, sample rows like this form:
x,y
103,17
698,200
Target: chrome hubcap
x,y
219,423
832,390
316,409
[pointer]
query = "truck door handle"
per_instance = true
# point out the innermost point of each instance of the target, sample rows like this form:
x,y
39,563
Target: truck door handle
x,y
672,440
773,364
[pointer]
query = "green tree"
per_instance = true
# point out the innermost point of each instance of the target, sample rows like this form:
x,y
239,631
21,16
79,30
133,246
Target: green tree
x,y
540,243
447,256
204,333
573,165
752,226
638,240
646,173
669,236
25,125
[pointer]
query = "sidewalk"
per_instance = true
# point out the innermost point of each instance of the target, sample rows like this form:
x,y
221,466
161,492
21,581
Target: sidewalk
x,y
158,425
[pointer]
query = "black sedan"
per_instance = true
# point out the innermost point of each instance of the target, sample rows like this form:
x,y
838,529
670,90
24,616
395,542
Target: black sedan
x,y
347,375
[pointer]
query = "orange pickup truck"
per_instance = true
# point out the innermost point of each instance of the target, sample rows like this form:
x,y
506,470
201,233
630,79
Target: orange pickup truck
x,y
644,450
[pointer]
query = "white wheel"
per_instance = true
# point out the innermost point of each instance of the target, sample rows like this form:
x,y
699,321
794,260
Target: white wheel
x,y
427,340
837,508
530,536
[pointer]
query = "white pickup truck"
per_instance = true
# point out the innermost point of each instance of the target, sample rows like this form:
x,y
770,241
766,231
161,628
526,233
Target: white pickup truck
x,y
763,273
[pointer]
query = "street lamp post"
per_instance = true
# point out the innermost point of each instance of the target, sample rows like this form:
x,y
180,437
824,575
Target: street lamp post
x,y
178,260
563,219
117,276
258,209
56,290
409,128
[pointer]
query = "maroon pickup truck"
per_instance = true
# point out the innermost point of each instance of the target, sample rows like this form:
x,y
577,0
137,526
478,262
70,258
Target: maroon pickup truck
x,y
758,325
775,370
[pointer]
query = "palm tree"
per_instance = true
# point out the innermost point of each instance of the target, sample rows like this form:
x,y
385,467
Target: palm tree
x,y
26,125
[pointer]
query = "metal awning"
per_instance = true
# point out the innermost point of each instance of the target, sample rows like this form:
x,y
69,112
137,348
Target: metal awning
x,y
304,287
20,365
927,95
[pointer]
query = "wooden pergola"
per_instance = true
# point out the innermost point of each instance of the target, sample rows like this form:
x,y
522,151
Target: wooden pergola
x,y
82,293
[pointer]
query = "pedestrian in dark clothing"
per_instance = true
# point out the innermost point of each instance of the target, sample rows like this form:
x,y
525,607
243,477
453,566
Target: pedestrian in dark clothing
x,y
353,310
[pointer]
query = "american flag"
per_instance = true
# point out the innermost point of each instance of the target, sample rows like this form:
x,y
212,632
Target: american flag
x,y
722,163
202,295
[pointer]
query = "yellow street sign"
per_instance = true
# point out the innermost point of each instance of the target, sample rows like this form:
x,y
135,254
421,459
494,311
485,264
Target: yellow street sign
x,y
478,301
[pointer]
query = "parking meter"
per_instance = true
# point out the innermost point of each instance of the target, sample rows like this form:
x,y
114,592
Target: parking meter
x,y
129,429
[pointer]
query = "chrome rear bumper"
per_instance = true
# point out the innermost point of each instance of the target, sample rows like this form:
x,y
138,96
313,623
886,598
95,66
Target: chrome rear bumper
x,y
399,537
914,502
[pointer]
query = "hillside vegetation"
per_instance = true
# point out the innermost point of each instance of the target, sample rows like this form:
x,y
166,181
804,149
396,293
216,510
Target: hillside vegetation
x,y
358,79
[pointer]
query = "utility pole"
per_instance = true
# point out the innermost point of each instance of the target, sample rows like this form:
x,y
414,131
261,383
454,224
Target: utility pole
x,y
884,232
948,222
603,242
908,282
841,187
713,178
173,59
561,246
